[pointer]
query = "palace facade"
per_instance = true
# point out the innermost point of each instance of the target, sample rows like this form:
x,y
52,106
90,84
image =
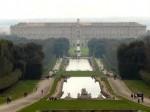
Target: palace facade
x,y
78,30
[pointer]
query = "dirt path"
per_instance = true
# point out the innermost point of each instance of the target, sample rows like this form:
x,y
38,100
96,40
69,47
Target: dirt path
x,y
58,64
18,104
45,85
120,89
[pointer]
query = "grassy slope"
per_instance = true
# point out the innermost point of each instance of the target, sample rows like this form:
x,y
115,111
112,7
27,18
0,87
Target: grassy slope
x,y
22,86
84,51
72,51
84,105
18,89
9,79
49,66
76,73
138,85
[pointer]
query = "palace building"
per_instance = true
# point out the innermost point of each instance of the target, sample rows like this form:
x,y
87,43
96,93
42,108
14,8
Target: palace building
x,y
78,30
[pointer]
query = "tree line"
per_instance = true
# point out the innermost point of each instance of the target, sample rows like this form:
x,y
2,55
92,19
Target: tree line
x,y
96,47
134,59
19,62
24,58
130,58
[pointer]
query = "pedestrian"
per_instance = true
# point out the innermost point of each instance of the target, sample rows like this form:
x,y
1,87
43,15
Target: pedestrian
x,y
8,99
134,95
115,76
42,91
36,89
142,97
131,95
25,94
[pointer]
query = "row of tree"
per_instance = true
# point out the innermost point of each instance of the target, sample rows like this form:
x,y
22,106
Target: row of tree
x,y
128,57
134,59
96,47
52,47
107,49
27,57
131,59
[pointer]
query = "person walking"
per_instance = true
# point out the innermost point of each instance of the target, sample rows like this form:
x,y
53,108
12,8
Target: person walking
x,y
42,91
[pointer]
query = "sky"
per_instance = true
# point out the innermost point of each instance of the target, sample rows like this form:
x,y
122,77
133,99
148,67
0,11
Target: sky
x,y
31,9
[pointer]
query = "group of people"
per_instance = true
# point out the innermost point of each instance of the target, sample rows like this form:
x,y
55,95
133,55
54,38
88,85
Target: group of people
x,y
9,98
52,98
138,96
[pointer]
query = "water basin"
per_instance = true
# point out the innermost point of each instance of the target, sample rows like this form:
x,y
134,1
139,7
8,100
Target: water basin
x,y
75,84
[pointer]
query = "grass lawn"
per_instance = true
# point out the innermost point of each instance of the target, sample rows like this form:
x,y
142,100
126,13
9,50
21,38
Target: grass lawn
x,y
18,90
84,51
138,86
78,73
72,51
84,105
49,67
53,89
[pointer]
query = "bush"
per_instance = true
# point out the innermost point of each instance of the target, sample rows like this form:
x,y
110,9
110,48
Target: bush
x,y
10,79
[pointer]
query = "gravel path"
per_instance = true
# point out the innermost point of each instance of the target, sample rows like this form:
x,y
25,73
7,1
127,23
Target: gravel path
x,y
18,104
120,89
45,85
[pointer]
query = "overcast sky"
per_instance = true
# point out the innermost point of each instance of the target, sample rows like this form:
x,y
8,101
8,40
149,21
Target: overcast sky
x,y
31,9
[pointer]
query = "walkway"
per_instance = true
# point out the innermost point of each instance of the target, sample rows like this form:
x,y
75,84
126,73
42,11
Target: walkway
x,y
45,85
18,104
120,89
58,64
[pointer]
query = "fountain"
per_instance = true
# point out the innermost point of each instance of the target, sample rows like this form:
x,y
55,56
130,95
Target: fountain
x,y
84,94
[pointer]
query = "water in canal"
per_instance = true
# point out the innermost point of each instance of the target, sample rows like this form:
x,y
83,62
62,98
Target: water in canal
x,y
79,65
75,84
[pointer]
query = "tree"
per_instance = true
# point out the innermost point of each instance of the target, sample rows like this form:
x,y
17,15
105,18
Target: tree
x,y
96,47
131,59
61,47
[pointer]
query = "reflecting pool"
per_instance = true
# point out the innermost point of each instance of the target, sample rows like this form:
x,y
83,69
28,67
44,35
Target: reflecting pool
x,y
75,84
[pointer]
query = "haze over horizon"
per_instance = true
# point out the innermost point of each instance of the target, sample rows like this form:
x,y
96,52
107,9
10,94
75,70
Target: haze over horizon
x,y
14,11
31,9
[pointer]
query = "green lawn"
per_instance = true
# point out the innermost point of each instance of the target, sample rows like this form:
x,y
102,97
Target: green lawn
x,y
72,51
18,90
84,105
138,85
84,51
78,73
96,72
53,89
49,66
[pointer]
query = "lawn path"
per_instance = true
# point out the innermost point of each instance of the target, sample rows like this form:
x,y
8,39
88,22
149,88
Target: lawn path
x,y
18,104
121,89
45,85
